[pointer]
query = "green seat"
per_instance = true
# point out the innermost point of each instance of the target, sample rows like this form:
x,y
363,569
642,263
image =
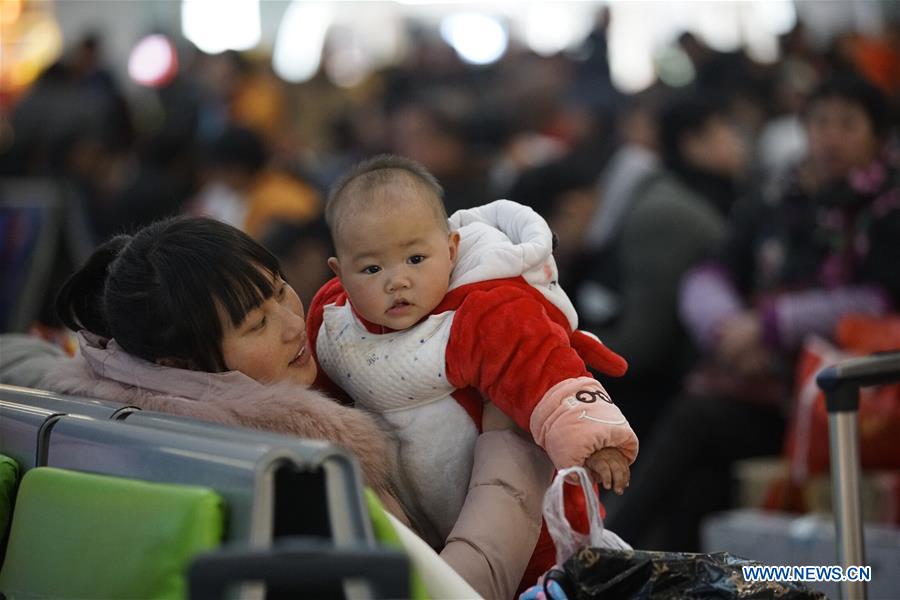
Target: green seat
x,y
80,535
9,477
387,536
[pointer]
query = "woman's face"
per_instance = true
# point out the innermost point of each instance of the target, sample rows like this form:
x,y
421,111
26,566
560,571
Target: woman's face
x,y
840,137
270,345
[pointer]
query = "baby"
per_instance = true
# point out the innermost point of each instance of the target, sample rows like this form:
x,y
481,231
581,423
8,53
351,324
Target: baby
x,y
428,319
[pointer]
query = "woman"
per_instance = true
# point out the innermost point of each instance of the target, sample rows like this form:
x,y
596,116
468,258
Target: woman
x,y
192,317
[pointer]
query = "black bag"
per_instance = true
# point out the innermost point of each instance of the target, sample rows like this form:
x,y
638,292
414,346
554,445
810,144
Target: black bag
x,y
644,575
601,565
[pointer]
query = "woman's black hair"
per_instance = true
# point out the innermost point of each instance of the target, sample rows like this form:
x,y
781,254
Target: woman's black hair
x,y
853,88
160,293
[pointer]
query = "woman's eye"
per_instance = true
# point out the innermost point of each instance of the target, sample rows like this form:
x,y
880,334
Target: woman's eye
x,y
416,259
282,291
371,270
260,325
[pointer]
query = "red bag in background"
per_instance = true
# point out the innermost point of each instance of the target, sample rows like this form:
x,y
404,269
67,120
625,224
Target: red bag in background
x,y
879,408
806,442
867,335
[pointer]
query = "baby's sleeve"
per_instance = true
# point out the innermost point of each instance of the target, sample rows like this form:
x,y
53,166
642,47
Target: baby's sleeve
x,y
504,344
575,418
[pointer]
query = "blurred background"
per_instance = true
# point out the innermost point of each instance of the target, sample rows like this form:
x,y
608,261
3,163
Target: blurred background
x,y
117,113
248,109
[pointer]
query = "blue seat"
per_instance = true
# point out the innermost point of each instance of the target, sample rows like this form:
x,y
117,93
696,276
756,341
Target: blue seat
x,y
26,415
278,471
64,404
24,433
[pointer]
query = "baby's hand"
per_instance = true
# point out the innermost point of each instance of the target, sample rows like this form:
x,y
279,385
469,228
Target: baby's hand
x,y
609,468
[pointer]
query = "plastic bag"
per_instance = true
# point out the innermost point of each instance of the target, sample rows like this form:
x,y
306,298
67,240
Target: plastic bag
x,y
566,539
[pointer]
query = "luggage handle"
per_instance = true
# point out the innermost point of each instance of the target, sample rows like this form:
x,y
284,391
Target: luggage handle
x,y
841,383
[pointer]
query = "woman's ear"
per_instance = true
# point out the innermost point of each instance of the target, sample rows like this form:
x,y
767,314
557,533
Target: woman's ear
x,y
176,363
335,266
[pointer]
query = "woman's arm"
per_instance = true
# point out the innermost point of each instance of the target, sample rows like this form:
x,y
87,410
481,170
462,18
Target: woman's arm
x,y
498,528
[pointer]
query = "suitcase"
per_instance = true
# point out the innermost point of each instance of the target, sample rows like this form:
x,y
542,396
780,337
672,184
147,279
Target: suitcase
x,y
841,384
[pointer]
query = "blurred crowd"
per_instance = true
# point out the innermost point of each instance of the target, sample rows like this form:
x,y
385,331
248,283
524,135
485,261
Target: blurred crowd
x,y
681,213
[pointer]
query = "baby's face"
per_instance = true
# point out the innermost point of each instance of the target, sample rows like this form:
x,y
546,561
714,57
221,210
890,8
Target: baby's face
x,y
395,264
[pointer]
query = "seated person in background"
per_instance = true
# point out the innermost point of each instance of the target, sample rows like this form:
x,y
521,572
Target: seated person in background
x,y
246,189
428,319
192,317
563,192
302,251
675,215
823,245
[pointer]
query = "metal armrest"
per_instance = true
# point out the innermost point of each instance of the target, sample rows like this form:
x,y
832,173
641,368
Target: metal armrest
x,y
300,565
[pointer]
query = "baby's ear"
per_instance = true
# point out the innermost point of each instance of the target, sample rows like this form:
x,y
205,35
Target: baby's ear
x,y
335,266
454,246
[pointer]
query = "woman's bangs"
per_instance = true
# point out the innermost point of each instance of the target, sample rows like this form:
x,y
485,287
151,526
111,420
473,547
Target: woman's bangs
x,y
243,290
246,284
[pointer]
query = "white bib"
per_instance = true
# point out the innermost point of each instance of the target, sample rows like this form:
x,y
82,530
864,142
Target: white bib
x,y
402,376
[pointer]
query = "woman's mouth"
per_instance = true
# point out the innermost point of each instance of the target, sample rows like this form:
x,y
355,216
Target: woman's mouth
x,y
302,357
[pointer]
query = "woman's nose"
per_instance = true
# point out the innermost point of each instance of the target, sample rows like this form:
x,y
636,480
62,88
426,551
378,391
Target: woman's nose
x,y
294,325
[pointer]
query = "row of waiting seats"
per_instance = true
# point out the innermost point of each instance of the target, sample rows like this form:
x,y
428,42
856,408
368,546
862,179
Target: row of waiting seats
x,y
113,501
